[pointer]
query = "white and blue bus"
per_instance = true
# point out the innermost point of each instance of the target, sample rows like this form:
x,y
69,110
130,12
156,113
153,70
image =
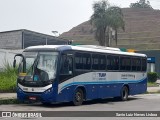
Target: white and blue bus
x,y
66,73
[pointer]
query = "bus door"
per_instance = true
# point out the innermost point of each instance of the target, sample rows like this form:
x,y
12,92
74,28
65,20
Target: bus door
x,y
66,75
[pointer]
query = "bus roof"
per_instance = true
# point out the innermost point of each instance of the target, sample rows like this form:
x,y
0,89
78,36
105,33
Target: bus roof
x,y
88,48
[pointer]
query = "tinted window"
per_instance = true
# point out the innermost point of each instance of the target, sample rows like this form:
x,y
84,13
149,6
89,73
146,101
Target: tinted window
x,y
95,62
78,61
98,62
125,63
112,62
102,62
86,61
144,64
83,61
67,65
136,64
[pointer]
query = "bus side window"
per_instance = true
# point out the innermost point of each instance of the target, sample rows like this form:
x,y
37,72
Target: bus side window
x,y
116,63
125,63
86,61
134,64
78,61
109,62
144,64
112,62
138,64
102,62
95,62
67,65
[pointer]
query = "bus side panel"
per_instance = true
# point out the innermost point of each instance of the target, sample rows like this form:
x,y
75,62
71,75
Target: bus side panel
x,y
49,96
91,91
138,88
106,90
66,95
116,89
96,90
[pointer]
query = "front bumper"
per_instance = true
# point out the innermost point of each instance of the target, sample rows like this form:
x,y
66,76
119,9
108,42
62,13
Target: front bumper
x,y
46,96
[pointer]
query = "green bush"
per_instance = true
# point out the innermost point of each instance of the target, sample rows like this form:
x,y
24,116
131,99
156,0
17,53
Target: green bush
x,y
152,76
8,78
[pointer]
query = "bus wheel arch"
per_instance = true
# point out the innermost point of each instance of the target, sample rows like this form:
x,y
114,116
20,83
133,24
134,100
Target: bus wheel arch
x,y
127,87
79,95
124,93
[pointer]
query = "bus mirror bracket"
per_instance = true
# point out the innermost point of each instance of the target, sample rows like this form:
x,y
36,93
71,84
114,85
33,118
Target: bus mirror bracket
x,y
14,63
20,55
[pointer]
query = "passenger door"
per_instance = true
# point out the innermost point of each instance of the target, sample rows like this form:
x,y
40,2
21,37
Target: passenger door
x,y
66,75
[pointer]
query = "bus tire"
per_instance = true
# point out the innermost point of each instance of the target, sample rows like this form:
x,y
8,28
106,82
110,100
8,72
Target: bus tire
x,y
78,97
124,93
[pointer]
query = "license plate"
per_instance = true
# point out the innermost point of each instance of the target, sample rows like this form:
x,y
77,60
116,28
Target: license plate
x,y
32,98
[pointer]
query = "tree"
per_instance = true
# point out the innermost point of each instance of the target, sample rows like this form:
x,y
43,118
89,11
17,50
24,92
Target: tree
x,y
104,18
141,4
100,21
116,19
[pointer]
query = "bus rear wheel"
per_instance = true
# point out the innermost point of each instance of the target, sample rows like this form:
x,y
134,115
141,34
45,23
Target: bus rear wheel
x,y
78,97
124,93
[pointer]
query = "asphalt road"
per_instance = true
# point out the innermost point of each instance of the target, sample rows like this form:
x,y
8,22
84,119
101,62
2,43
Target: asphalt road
x,y
147,102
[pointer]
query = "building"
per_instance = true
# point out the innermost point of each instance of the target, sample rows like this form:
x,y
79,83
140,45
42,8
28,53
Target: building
x,y
20,39
13,42
153,58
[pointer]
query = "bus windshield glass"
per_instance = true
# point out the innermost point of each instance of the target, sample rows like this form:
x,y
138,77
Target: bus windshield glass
x,y
26,66
39,66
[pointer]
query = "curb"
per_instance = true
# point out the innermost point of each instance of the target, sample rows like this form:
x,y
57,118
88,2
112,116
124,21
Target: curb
x,y
153,89
9,101
5,96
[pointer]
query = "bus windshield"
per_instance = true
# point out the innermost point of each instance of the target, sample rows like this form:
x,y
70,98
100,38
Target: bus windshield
x,y
39,66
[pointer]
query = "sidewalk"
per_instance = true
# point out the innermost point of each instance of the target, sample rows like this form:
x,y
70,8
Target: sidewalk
x,y
4,96
154,89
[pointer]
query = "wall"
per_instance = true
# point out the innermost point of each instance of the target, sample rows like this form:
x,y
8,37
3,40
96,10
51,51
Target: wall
x,y
32,38
155,54
11,40
7,56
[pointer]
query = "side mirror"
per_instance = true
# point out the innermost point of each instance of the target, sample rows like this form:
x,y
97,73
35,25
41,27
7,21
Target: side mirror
x,y
14,63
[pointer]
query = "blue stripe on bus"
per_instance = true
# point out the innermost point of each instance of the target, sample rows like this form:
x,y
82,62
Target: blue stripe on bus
x,y
102,82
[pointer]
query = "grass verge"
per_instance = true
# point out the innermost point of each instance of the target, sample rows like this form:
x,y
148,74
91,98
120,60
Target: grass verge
x,y
152,84
158,92
9,101
8,78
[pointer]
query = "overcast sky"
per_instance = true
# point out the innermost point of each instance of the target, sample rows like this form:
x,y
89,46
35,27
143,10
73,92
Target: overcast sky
x,y
50,15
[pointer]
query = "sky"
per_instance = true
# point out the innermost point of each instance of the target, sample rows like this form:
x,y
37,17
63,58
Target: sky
x,y
45,16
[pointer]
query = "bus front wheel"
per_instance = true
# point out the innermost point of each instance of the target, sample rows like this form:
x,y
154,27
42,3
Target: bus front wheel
x,y
78,97
124,93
